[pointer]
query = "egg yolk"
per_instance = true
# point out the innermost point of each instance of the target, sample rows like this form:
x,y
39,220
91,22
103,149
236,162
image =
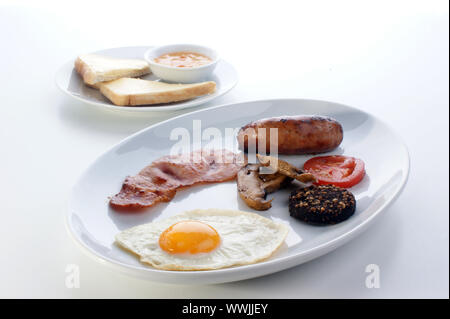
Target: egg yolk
x,y
189,237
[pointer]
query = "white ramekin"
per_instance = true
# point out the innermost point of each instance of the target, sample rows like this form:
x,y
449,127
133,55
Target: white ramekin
x,y
177,74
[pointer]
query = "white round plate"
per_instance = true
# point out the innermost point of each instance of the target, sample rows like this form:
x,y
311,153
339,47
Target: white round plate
x,y
68,80
94,224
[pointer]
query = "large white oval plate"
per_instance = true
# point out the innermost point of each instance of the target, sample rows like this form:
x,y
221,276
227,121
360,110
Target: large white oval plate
x,y
71,83
93,224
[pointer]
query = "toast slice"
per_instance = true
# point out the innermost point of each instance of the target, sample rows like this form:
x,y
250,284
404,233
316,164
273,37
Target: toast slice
x,y
128,91
95,68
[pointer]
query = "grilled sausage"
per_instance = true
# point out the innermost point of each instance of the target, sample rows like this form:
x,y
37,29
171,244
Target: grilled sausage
x,y
296,134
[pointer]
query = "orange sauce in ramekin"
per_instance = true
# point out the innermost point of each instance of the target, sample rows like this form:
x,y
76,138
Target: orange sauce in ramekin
x,y
183,59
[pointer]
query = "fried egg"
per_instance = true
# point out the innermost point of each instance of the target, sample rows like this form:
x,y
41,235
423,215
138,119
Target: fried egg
x,y
204,239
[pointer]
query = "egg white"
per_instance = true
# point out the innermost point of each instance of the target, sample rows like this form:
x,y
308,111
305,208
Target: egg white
x,y
246,238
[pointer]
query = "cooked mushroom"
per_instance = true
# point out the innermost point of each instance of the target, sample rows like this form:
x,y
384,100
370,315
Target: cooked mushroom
x,y
285,168
273,182
253,187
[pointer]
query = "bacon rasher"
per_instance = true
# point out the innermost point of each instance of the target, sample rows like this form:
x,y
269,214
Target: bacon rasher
x,y
160,181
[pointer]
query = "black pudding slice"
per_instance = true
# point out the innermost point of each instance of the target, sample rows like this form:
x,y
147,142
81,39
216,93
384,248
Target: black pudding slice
x,y
322,205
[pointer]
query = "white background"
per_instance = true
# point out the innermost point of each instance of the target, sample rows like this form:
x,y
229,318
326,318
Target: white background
x,y
388,58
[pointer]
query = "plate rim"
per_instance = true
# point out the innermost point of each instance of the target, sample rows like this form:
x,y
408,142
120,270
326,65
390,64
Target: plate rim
x,y
143,109
258,269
